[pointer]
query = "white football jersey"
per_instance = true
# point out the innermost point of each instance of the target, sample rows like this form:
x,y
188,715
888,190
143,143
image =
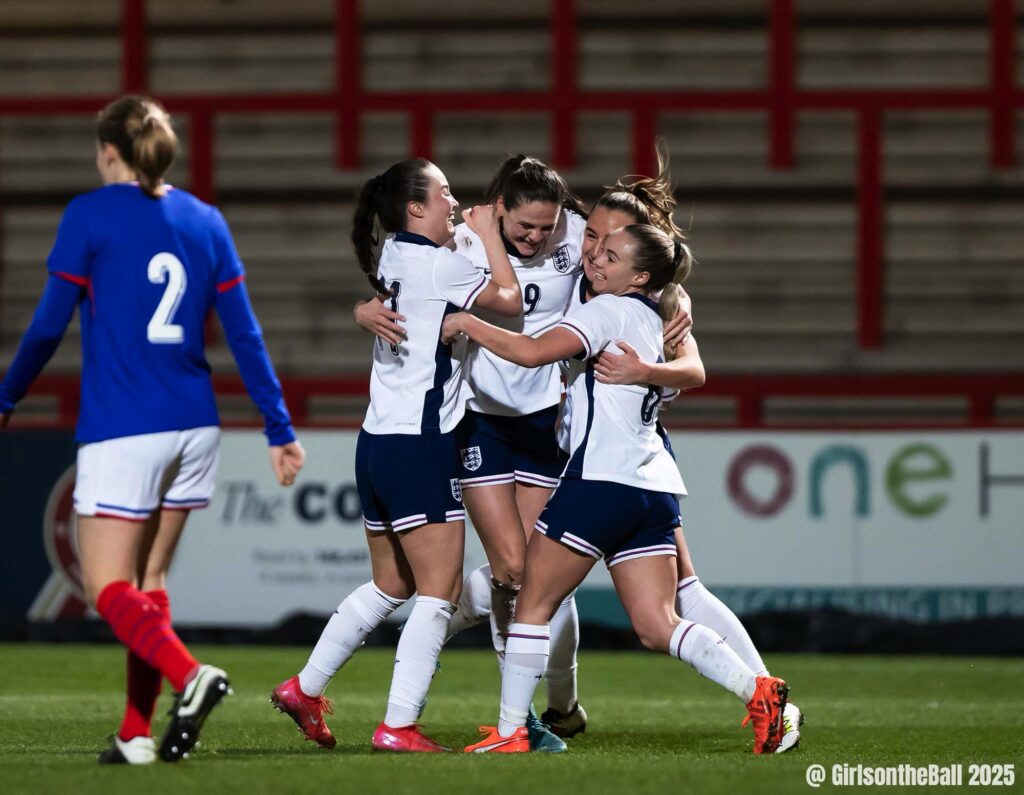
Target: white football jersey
x,y
577,299
546,280
612,434
415,386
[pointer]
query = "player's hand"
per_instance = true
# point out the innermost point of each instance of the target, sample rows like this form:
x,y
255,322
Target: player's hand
x,y
376,318
629,368
452,327
5,418
678,327
482,219
286,460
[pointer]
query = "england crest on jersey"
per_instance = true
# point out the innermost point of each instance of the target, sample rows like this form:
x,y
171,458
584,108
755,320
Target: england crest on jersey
x,y
457,489
471,458
561,259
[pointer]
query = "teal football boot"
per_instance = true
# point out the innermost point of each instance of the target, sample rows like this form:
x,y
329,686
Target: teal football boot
x,y
541,737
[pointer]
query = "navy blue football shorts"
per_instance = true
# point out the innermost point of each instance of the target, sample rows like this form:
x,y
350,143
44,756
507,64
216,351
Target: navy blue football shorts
x,y
610,520
495,449
405,481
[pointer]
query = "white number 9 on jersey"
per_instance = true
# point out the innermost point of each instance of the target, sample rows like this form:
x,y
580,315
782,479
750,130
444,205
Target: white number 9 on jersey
x,y
165,267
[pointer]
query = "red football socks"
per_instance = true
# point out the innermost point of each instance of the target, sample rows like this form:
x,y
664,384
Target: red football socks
x,y
139,623
143,683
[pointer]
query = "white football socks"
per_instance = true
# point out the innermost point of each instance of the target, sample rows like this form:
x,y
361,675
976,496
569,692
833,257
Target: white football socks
x,y
526,656
561,671
696,603
416,659
475,602
362,612
708,653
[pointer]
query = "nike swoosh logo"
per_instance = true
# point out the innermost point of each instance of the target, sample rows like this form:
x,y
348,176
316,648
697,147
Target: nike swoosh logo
x,y
492,746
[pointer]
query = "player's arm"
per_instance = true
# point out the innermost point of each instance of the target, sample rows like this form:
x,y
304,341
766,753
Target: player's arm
x,y
51,319
245,338
686,371
551,346
502,293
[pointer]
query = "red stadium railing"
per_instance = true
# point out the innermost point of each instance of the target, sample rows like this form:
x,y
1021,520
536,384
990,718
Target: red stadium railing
x,y
781,98
748,395
564,100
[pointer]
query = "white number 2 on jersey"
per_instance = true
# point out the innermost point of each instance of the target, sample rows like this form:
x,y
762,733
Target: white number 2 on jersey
x,y
165,267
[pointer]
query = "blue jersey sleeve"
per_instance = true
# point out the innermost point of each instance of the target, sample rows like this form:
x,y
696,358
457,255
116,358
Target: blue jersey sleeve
x,y
44,334
230,270
245,337
71,254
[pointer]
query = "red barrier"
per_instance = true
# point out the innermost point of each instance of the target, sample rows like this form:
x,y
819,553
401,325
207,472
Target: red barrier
x,y
748,394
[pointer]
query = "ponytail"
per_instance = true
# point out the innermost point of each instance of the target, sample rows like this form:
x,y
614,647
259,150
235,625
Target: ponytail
x,y
153,149
384,199
668,305
666,260
672,294
521,180
141,131
650,200
364,233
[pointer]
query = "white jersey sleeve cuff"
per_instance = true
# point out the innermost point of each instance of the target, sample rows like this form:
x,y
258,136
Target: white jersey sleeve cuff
x,y
475,292
582,332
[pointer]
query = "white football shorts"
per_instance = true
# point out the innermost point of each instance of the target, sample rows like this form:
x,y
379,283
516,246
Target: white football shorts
x,y
133,476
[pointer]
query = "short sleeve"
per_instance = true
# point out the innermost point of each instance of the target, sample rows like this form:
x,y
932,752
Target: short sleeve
x,y
457,279
597,323
229,269
71,256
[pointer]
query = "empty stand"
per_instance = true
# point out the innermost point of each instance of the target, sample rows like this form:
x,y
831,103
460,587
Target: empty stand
x,y
780,250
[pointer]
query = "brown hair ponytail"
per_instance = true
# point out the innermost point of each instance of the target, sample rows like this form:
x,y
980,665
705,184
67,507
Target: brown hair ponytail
x,y
141,131
521,180
650,200
668,262
384,198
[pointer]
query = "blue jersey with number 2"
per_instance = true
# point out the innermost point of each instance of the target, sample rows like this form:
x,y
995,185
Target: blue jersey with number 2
x,y
151,269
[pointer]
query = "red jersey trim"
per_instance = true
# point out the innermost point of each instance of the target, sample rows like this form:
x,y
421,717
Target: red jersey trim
x,y
81,281
223,287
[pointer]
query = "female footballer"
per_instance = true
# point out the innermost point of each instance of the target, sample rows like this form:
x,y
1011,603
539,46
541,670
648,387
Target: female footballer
x,y
618,497
407,456
145,263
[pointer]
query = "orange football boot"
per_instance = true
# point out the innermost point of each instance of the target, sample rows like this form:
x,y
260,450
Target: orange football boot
x,y
494,743
765,711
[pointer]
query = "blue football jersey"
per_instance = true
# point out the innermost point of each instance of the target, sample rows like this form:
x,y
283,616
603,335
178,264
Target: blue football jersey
x,y
151,269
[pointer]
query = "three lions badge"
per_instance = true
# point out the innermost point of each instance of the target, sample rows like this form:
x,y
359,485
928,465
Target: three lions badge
x,y
472,458
561,259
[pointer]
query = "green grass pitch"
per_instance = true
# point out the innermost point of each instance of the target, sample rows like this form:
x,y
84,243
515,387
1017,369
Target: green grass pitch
x,y
655,726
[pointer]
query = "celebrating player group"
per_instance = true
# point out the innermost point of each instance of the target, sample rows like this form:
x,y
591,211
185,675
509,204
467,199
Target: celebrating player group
x,y
520,361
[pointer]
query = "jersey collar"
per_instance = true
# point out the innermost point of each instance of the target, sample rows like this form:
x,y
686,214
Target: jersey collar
x,y
411,237
584,288
644,300
509,248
